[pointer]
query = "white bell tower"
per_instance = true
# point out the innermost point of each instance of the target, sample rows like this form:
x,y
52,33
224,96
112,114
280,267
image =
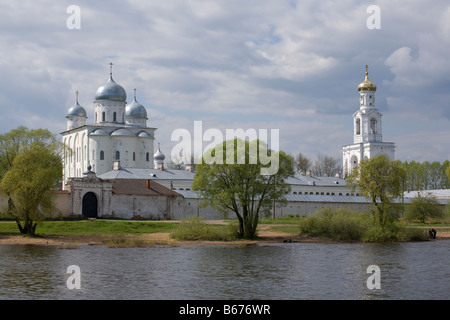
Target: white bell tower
x,y
367,132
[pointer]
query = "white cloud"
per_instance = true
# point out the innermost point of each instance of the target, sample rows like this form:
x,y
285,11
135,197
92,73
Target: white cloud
x,y
291,64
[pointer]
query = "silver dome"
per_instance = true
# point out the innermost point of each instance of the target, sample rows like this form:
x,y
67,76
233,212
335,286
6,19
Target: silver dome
x,y
159,155
135,110
76,110
111,91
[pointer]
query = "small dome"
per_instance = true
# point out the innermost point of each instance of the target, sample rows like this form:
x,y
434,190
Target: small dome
x,y
367,85
159,155
111,91
135,110
99,132
76,110
121,132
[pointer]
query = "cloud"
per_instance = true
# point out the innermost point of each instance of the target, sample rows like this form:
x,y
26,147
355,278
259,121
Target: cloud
x,y
294,65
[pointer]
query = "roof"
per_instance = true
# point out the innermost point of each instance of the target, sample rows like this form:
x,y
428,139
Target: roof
x,y
299,179
141,187
438,194
143,174
189,194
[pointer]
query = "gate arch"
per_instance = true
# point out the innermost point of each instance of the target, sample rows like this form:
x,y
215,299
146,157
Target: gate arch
x,y
90,205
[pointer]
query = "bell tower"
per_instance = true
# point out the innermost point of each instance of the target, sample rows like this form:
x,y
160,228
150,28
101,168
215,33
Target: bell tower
x,y
367,131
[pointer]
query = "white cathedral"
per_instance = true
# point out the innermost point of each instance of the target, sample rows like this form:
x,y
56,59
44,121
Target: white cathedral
x,y
367,132
118,137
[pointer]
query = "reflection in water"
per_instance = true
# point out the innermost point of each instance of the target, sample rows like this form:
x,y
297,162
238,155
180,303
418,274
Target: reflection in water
x,y
269,271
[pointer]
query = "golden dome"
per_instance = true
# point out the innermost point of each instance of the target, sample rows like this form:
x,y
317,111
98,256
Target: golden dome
x,y
367,85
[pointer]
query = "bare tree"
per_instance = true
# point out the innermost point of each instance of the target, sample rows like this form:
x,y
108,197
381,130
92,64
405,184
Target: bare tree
x,y
328,166
302,163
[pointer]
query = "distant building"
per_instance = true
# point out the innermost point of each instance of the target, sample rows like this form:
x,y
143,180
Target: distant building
x,y
367,130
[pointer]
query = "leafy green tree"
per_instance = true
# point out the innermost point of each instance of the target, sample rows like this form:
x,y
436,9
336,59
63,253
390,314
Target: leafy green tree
x,y
380,180
239,186
34,172
14,141
423,208
20,144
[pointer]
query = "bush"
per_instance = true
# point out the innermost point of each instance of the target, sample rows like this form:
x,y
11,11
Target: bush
x,y
195,228
340,224
376,233
423,208
345,224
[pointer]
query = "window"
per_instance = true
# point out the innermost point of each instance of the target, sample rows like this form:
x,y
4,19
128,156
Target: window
x,y
134,156
115,116
147,157
102,155
373,126
117,155
103,116
358,126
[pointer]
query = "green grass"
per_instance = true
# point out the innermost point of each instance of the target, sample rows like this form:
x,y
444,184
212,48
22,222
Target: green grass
x,y
91,227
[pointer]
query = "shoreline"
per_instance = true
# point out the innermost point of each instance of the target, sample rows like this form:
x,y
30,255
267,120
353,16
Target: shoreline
x,y
164,239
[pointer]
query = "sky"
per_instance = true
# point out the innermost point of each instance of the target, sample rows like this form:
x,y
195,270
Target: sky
x,y
251,64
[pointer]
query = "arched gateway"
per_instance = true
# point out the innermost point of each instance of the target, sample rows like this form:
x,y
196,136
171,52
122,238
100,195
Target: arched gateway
x,y
90,205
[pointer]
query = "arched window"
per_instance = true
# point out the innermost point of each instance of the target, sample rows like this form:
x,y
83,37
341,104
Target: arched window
x,y
373,126
102,155
103,116
115,116
358,126
117,155
147,157
134,156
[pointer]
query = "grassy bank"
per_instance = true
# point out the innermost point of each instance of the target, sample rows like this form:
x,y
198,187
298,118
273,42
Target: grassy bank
x,y
91,227
339,224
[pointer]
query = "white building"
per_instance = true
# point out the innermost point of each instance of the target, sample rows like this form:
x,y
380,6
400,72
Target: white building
x,y
118,137
367,131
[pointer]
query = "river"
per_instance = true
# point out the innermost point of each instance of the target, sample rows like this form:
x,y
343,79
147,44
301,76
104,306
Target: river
x,y
291,271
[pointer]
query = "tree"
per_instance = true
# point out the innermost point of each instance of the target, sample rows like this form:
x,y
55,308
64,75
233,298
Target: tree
x,y
379,179
25,157
239,186
13,142
302,163
448,172
327,166
34,172
423,208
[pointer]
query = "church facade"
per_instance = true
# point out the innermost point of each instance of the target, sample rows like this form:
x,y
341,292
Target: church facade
x,y
367,130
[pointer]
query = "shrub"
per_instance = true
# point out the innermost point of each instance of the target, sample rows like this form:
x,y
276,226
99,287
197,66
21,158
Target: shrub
x,y
341,224
344,224
197,229
423,208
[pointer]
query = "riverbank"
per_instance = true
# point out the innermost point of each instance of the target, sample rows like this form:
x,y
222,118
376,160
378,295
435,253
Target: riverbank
x,y
265,235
